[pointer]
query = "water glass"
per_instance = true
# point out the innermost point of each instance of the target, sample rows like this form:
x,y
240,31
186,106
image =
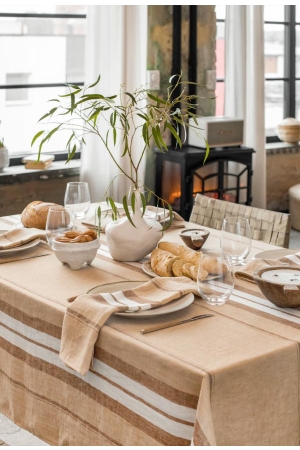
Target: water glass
x,y
59,220
216,287
77,197
236,239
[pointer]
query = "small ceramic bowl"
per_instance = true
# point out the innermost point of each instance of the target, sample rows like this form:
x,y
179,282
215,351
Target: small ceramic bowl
x,y
75,255
280,285
194,238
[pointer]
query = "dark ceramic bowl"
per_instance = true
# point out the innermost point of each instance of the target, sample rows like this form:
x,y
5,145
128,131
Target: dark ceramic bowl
x,y
280,285
194,238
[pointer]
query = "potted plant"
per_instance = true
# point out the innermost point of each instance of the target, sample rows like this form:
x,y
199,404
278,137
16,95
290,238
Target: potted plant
x,y
139,115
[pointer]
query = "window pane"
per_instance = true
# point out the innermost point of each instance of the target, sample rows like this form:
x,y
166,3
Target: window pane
x,y
46,9
45,59
19,119
219,93
273,106
220,50
297,13
274,50
220,11
274,13
298,51
33,26
298,100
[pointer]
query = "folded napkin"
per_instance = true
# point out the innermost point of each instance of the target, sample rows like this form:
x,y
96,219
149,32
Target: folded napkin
x,y
88,313
159,214
246,273
19,236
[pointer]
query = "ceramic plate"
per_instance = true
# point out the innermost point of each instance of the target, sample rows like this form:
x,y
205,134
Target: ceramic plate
x,y
173,306
276,254
21,248
147,269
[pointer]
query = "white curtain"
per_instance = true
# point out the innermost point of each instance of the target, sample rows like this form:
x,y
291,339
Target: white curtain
x,y
244,85
116,48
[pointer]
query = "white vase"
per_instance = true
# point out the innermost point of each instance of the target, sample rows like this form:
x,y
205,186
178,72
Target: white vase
x,y
128,243
4,158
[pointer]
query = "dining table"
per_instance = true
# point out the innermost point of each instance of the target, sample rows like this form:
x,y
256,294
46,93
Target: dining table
x,y
230,379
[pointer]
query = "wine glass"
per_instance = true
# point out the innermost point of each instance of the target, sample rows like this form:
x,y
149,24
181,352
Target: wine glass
x,y
236,239
77,197
59,220
215,281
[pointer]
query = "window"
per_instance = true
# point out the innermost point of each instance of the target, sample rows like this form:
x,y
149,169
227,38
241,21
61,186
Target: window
x,y
282,64
41,49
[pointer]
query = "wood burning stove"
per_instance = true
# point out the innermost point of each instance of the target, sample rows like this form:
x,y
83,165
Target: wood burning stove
x,y
226,175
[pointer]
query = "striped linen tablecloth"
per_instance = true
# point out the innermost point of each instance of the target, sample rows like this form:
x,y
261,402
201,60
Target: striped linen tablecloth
x,y
232,379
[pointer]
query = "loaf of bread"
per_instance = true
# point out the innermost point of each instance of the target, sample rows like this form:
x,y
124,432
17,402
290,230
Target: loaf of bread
x,y
177,267
187,254
35,214
212,265
162,261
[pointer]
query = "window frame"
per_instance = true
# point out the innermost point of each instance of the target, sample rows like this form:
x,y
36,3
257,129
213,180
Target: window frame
x,y
62,155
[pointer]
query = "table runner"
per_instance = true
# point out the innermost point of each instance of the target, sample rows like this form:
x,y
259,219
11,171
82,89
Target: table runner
x,y
232,380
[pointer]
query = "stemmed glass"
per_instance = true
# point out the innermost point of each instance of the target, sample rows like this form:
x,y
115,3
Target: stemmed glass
x,y
77,197
216,286
59,220
236,239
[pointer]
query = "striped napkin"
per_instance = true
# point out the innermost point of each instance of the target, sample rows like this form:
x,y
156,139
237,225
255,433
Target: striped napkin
x,y
246,273
152,213
19,236
88,313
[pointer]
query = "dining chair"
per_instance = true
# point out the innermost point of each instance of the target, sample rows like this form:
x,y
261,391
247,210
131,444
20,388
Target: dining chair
x,y
267,226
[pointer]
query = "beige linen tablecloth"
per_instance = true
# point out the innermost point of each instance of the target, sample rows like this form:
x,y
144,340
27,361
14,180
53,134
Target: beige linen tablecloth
x,y
230,380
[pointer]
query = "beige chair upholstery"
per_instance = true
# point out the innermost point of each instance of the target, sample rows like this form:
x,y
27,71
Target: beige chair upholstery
x,y
268,226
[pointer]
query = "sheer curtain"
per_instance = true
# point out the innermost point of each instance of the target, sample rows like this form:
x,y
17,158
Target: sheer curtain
x,y
244,85
116,48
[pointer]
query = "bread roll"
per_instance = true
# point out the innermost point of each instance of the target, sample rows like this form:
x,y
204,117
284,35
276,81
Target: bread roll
x,y
161,262
183,252
212,265
196,272
186,270
35,214
177,267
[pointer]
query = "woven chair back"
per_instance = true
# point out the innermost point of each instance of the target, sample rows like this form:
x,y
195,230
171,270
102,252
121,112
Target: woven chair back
x,y
267,226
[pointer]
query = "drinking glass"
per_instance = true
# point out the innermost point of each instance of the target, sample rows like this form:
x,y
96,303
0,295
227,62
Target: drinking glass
x,y
236,239
216,286
59,220
77,197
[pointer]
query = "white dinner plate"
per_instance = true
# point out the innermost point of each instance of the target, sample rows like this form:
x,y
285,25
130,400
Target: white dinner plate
x,y
276,254
21,248
174,305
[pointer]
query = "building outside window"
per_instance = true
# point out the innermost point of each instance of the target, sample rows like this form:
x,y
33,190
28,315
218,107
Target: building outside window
x,y
41,49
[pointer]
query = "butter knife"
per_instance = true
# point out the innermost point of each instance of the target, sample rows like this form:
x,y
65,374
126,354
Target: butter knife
x,y
172,324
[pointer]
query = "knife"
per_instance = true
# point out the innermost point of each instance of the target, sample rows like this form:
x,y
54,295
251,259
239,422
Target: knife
x,y
172,324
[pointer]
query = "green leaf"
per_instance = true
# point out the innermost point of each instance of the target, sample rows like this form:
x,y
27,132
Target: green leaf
x,y
74,86
96,82
157,99
44,116
72,103
149,196
95,114
125,206
53,100
37,135
143,116
133,202
157,142
115,118
207,151
126,148
114,208
111,119
131,96
115,136
145,133
83,141
70,138
70,94
93,96
72,153
143,203
159,136
169,222
175,134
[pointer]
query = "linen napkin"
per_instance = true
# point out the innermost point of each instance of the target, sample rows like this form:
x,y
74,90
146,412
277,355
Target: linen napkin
x,y
152,213
246,273
19,236
88,313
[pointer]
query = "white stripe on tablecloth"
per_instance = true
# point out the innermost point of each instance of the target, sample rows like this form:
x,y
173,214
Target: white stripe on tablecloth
x,y
135,405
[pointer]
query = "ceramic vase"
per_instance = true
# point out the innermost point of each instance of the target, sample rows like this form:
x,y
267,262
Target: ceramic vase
x,y
128,243
4,158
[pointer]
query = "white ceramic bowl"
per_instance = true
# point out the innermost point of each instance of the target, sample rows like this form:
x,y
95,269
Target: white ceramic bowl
x,y
75,255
